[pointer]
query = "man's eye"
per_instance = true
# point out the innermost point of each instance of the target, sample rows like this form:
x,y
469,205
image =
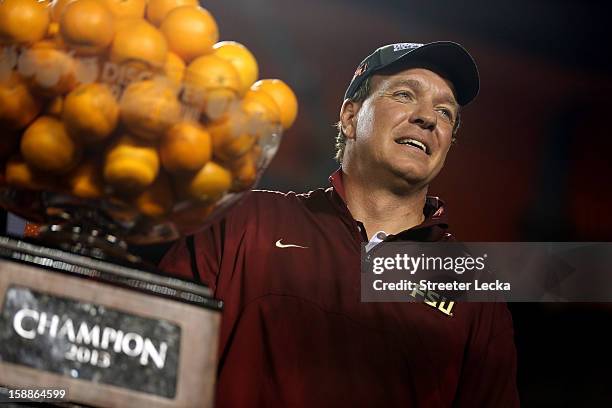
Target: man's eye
x,y
403,95
447,113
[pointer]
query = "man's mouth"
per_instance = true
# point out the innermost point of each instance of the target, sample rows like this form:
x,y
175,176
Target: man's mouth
x,y
414,143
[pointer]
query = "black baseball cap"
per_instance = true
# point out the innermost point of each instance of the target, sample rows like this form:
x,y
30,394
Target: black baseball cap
x,y
449,58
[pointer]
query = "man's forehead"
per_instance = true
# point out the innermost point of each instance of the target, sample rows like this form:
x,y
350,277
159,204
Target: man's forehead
x,y
415,77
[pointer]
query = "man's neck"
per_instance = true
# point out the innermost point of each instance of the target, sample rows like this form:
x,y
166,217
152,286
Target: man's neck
x,y
380,209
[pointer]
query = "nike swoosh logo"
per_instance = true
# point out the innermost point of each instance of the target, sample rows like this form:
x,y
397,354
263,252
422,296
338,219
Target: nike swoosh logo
x,y
279,244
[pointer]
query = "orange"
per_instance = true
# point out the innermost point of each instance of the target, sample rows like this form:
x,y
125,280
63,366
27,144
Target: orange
x,y
53,30
17,106
131,164
87,26
23,21
50,71
90,113
174,69
137,40
158,9
244,171
148,108
263,117
210,182
88,69
211,84
235,133
54,37
47,146
54,107
19,174
261,108
57,8
158,199
121,23
241,58
86,181
126,8
190,31
283,96
229,138
185,147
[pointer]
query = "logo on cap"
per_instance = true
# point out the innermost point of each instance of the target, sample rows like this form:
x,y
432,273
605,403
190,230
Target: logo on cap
x,y
405,46
360,69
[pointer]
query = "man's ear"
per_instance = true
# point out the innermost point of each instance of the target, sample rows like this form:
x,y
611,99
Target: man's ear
x,y
348,117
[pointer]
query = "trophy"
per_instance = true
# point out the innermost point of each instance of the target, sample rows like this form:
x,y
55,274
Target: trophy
x,y
137,127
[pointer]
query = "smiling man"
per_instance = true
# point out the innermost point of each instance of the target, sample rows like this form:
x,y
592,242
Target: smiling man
x,y
287,266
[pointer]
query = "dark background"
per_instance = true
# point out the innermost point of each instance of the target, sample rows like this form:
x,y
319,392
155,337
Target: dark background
x,y
531,163
532,159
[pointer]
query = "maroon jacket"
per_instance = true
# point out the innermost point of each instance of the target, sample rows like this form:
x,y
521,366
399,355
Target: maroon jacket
x,y
295,333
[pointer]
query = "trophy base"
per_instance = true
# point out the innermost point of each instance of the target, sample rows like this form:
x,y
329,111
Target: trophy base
x,y
107,335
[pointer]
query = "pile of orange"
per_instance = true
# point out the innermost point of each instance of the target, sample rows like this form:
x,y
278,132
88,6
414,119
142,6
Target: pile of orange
x,y
132,101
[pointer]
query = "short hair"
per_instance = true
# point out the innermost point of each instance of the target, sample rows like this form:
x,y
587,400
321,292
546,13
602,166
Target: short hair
x,y
361,94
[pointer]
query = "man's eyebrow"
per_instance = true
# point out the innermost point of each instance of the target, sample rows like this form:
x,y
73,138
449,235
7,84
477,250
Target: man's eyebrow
x,y
418,86
412,83
450,100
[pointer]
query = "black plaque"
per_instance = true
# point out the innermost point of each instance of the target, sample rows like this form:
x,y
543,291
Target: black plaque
x,y
89,341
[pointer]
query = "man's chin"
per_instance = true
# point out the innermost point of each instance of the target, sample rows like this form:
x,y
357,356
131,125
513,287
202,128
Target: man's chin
x,y
410,177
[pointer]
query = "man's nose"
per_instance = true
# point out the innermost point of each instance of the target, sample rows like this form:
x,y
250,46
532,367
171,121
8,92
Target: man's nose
x,y
424,117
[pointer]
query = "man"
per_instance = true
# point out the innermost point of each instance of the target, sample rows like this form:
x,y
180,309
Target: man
x,y
287,266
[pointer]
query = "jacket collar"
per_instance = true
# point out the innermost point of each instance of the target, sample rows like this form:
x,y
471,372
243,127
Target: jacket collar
x,y
436,219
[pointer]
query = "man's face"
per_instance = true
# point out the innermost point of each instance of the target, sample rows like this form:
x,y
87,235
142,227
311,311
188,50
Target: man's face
x,y
404,128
